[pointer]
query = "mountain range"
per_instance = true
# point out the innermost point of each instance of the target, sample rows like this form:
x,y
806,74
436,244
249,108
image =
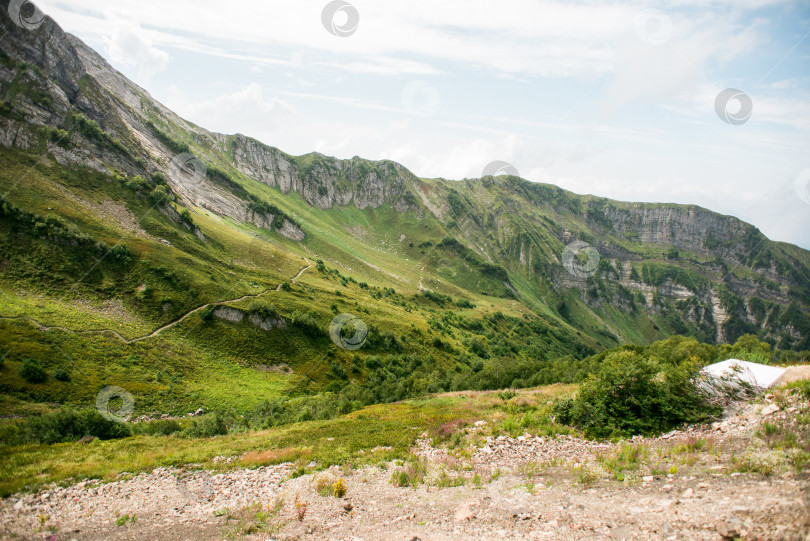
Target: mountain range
x,y
193,267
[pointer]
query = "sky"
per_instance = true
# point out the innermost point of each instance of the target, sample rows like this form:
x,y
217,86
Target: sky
x,y
701,102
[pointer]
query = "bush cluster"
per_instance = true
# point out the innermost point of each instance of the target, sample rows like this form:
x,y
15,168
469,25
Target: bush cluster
x,y
641,390
33,372
65,425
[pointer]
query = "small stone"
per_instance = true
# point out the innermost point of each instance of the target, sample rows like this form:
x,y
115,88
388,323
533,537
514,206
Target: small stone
x,y
729,529
648,478
622,532
463,513
768,410
687,493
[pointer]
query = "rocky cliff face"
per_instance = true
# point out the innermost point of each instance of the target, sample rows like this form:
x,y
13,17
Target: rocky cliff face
x,y
684,227
76,78
324,182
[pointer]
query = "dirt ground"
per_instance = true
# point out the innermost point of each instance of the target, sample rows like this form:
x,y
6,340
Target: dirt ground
x,y
722,481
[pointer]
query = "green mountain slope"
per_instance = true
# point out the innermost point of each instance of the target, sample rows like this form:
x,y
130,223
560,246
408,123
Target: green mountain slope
x,y
200,269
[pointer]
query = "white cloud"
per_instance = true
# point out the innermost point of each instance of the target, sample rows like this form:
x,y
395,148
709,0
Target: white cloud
x,y
245,111
673,70
769,106
130,45
549,38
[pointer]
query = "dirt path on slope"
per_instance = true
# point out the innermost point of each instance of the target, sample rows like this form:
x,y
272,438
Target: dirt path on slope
x,y
165,327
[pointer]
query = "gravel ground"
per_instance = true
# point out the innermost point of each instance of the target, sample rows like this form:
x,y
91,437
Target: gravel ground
x,y
530,488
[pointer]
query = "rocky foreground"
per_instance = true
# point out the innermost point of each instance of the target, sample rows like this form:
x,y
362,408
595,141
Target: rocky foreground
x,y
739,478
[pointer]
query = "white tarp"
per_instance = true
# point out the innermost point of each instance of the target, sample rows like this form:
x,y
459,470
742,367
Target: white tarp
x,y
758,375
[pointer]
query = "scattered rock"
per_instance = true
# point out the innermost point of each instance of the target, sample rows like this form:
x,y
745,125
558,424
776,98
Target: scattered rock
x,y
622,532
463,513
729,529
770,409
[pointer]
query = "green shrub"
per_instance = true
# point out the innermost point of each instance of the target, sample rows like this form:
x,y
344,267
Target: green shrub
x,y
121,254
562,410
411,474
57,136
373,362
178,147
60,374
307,323
92,131
338,370
68,425
160,427
159,195
185,217
635,394
263,309
207,427
478,347
33,372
